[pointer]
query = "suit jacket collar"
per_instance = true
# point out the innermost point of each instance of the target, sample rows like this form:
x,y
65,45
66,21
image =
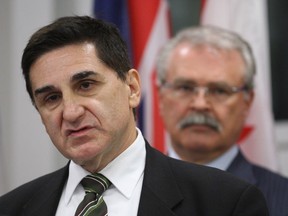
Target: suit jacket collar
x,y
160,191
241,168
46,200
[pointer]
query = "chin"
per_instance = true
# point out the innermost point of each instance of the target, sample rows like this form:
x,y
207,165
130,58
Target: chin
x,y
79,156
198,144
82,161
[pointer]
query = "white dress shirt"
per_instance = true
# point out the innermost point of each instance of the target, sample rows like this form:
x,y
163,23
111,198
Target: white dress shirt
x,y
126,174
222,162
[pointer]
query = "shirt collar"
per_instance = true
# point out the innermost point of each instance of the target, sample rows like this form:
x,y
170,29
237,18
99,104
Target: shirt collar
x,y
76,174
127,167
125,171
221,162
224,161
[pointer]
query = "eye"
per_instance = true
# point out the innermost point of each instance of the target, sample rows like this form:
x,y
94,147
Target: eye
x,y
219,90
185,88
86,85
51,98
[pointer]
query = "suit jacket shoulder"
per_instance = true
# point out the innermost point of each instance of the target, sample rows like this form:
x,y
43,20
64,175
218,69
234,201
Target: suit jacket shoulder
x,y
273,186
173,187
170,188
38,197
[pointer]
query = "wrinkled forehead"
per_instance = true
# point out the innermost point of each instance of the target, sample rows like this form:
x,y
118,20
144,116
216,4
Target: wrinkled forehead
x,y
206,60
62,64
212,50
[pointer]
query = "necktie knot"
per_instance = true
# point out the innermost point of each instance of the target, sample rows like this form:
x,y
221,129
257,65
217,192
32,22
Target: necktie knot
x,y
93,203
96,183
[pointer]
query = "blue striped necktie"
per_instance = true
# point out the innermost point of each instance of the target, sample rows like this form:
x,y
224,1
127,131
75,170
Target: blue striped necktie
x,y
93,203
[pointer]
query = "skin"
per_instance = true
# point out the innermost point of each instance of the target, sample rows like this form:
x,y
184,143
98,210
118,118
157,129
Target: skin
x,y
204,65
85,107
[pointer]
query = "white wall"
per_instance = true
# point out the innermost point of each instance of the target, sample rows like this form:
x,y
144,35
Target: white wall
x,y
281,129
26,151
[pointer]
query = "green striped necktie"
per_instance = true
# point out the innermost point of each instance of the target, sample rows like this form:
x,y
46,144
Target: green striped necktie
x,y
93,203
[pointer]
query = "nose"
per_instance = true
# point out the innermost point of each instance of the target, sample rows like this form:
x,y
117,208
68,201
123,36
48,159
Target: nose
x,y
200,99
72,109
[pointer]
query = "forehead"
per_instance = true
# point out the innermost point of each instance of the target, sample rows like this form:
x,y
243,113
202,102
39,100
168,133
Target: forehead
x,y
61,64
206,62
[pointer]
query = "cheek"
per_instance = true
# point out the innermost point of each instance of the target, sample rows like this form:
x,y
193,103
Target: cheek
x,y
232,116
171,112
110,110
52,124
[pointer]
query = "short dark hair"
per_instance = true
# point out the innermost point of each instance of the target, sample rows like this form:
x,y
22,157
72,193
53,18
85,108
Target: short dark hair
x,y
110,47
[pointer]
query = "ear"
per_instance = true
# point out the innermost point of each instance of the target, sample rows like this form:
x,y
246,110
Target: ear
x,y
133,82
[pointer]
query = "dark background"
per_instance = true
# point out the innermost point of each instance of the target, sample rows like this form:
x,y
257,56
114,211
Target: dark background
x,y
278,33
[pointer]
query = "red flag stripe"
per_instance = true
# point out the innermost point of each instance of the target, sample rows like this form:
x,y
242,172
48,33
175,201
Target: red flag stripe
x,y
150,29
141,17
158,132
202,7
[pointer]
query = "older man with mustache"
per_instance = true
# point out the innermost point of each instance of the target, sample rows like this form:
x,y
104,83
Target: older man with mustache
x,y
205,82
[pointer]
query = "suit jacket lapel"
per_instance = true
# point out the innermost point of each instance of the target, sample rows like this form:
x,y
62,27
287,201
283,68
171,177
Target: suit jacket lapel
x,y
241,168
46,200
160,191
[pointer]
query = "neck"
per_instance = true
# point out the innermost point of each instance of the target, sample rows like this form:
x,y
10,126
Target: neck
x,y
192,156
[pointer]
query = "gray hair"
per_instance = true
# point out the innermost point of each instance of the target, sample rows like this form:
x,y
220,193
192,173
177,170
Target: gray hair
x,y
213,36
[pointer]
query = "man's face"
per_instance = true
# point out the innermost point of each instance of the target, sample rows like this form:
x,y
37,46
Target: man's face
x,y
204,66
85,107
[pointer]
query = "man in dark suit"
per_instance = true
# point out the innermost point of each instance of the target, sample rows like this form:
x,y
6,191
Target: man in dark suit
x,y
79,78
205,82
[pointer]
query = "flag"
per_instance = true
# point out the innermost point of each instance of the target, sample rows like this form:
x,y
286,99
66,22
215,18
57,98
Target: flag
x,y
145,25
249,19
116,12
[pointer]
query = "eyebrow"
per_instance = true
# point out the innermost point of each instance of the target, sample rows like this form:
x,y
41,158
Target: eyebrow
x,y
76,77
184,81
44,89
82,75
193,82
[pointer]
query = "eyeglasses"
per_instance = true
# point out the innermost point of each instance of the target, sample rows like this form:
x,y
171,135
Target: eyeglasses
x,y
215,93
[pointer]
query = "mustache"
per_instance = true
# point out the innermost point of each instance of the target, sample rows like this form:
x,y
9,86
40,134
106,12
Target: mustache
x,y
200,119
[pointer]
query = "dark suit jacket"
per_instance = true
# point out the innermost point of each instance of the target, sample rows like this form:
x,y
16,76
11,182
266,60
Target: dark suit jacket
x,y
170,188
273,186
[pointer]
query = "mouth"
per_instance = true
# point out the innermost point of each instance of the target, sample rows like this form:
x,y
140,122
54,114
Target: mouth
x,y
200,127
78,132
